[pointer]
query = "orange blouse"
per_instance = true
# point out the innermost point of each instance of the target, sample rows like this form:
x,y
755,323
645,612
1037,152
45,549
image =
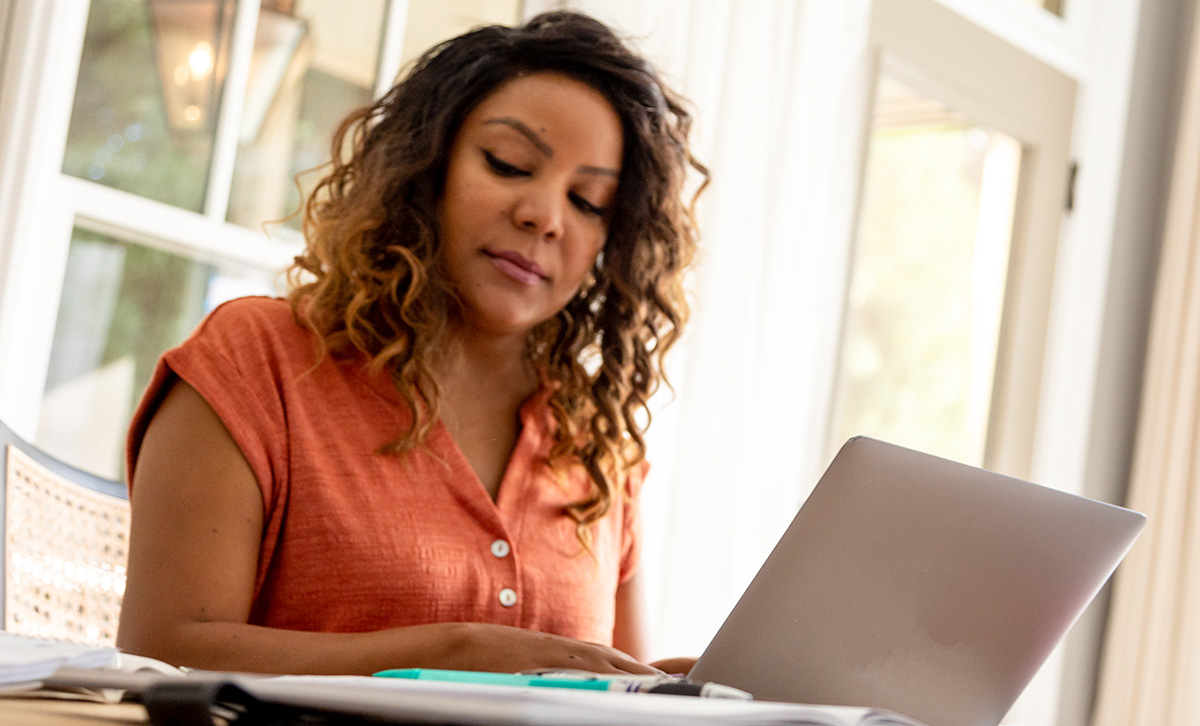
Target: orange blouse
x,y
354,540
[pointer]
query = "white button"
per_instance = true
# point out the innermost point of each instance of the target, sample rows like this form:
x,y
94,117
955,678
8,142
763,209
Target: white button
x,y
500,548
508,597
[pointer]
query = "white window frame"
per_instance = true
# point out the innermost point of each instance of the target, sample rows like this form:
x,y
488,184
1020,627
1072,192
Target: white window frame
x,y
40,206
945,56
1001,84
37,89
1096,44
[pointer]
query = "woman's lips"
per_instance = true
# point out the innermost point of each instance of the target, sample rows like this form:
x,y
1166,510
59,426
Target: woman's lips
x,y
517,266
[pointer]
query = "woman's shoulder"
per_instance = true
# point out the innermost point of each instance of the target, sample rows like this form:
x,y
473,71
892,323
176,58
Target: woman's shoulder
x,y
254,315
252,310
263,324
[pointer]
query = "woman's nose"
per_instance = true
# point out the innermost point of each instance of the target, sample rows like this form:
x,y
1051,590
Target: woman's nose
x,y
540,209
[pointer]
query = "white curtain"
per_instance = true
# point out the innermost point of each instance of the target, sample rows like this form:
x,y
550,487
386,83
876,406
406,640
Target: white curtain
x,y
1151,669
778,89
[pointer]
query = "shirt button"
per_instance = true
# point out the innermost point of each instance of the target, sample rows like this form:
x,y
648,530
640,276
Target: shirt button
x,y
508,597
500,548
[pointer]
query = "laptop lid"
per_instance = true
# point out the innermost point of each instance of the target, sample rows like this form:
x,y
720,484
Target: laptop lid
x,y
919,585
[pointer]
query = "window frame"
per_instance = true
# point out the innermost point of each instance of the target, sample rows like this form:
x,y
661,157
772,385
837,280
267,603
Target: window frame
x,y
41,205
36,94
1093,340
995,82
1030,76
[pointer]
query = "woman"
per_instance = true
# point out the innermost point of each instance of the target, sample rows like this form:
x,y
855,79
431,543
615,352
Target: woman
x,y
429,454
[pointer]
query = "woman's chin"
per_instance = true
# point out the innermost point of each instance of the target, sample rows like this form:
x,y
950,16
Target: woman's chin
x,y
500,323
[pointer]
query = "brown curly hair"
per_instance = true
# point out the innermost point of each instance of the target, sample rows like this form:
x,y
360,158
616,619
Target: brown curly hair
x,y
372,242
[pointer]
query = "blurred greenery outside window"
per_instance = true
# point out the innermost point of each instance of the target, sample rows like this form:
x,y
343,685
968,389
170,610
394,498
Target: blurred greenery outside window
x,y
122,306
146,121
121,134
928,279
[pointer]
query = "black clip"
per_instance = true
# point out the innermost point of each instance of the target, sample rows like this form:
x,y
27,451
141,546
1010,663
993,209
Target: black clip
x,y
196,702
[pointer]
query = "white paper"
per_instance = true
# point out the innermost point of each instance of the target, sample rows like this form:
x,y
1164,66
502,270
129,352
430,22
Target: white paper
x,y
25,659
486,705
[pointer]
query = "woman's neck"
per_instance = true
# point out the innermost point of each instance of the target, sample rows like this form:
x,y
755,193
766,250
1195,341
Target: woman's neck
x,y
474,363
483,384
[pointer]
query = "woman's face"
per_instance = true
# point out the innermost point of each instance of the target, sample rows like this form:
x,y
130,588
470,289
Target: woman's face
x,y
525,209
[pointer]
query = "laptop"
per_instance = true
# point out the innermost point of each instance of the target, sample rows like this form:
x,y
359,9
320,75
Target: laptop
x,y
919,585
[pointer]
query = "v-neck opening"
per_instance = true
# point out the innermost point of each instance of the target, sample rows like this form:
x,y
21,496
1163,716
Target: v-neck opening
x,y
528,443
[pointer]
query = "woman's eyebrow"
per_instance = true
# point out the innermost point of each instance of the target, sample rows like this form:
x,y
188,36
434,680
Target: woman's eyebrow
x,y
601,170
523,129
540,144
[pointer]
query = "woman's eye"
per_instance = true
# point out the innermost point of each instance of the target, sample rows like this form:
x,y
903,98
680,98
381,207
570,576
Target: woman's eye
x,y
587,207
501,167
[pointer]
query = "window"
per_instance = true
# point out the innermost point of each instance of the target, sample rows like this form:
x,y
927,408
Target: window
x,y
147,97
122,305
191,126
965,182
952,271
928,278
308,69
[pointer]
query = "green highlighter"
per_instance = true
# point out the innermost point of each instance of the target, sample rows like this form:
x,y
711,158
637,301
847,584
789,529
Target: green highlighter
x,y
499,679
662,684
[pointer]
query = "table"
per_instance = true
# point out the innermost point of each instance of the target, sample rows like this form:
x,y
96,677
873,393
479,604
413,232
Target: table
x,y
52,712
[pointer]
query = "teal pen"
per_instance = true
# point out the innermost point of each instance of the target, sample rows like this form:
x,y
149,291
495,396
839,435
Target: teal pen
x,y
494,679
627,684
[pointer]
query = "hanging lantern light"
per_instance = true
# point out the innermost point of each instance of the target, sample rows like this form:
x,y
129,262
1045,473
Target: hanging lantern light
x,y
191,42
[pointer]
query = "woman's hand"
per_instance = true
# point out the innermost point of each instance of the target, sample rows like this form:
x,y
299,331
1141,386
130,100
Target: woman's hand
x,y
675,666
504,649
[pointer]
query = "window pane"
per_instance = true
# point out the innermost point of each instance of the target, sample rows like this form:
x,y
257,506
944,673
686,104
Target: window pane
x,y
122,306
147,98
313,63
927,285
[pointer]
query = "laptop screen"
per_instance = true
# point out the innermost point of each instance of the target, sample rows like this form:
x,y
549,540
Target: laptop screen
x,y
919,585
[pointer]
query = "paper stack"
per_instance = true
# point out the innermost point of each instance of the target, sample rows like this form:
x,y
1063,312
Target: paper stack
x,y
26,660
467,704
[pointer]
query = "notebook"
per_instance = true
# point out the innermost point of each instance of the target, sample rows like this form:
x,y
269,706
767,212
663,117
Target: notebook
x,y
919,585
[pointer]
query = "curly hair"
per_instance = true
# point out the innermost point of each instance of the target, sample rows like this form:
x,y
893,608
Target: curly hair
x,y
371,262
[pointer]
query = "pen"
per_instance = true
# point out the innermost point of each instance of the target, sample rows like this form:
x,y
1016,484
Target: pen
x,y
664,684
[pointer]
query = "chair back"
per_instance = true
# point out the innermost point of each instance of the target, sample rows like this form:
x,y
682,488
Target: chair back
x,y
65,534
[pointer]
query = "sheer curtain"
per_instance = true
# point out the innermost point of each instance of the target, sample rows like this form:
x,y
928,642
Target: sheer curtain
x,y
741,443
1152,661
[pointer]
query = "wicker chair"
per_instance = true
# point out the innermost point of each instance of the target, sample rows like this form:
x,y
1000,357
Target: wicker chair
x,y
65,534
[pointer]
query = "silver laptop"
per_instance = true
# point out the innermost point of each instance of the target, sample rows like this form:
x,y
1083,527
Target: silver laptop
x,y
919,585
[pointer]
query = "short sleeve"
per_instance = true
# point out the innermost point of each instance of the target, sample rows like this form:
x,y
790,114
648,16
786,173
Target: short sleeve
x,y
237,360
631,525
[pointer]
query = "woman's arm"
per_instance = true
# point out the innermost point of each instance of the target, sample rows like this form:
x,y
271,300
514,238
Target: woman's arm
x,y
194,549
629,634
628,629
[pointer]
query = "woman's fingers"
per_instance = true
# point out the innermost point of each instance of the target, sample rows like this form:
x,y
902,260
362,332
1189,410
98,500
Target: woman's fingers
x,y
597,659
625,663
512,650
678,666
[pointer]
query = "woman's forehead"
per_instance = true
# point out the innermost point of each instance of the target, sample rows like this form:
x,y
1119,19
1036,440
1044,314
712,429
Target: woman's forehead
x,y
555,114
